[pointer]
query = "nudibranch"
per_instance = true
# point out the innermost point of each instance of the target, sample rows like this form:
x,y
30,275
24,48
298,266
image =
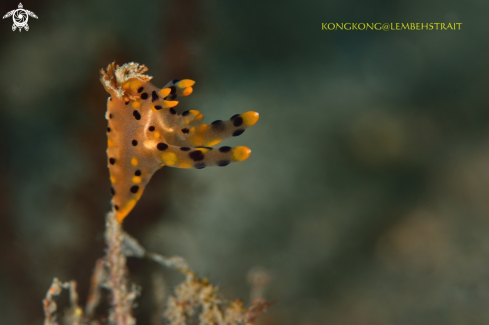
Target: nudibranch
x,y
145,133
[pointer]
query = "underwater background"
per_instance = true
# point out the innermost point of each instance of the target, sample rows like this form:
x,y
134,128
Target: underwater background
x,y
366,196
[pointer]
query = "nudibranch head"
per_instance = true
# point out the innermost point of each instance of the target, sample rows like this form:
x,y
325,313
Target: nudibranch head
x,y
116,77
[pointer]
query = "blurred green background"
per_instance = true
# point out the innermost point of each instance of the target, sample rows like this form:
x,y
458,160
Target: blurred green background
x,y
365,198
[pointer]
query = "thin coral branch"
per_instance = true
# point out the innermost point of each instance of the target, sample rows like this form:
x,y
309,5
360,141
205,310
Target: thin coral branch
x,y
74,314
194,297
175,262
132,248
122,297
194,293
99,277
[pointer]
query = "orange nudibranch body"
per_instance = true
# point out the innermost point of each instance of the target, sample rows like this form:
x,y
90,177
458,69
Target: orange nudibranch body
x,y
145,133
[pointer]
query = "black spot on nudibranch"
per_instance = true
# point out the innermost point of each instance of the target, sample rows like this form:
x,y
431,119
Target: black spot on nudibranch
x,y
112,190
134,142
185,130
136,114
116,207
225,149
199,165
154,96
173,90
134,189
140,89
223,163
108,129
185,113
111,116
151,128
238,121
185,148
137,173
175,81
144,95
234,116
196,155
218,125
162,146
173,111
237,132
111,161
158,107
127,103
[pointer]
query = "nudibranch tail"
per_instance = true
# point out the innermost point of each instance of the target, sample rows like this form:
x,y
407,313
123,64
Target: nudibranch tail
x,y
145,133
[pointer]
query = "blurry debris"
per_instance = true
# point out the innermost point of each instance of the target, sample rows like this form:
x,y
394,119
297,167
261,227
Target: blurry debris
x,y
420,241
182,29
257,307
377,140
259,279
159,291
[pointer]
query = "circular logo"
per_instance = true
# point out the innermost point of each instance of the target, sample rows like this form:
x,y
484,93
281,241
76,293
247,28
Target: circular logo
x,y
20,18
